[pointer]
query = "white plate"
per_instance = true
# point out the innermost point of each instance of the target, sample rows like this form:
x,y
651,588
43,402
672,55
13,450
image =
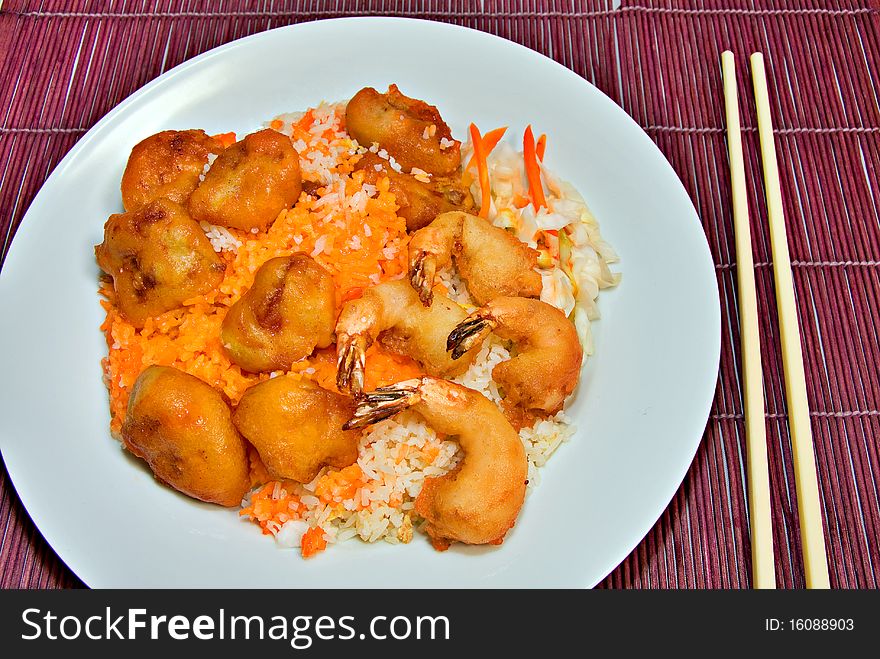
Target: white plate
x,y
643,399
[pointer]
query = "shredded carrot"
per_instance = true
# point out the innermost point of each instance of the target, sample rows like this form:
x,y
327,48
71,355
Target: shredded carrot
x,y
276,124
541,146
226,139
533,171
483,169
490,141
313,542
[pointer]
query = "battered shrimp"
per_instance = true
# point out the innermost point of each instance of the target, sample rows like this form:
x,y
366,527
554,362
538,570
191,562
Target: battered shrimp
x,y
183,428
158,257
250,183
478,502
167,164
296,426
409,129
393,311
547,367
491,261
419,203
284,316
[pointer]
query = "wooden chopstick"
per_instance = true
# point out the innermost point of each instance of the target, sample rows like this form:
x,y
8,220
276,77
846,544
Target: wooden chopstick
x,y
761,527
806,480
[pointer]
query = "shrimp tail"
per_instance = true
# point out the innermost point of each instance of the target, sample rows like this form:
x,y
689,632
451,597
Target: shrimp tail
x,y
384,402
350,364
423,269
468,333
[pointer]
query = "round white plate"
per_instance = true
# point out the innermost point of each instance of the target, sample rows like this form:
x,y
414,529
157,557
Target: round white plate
x,y
640,410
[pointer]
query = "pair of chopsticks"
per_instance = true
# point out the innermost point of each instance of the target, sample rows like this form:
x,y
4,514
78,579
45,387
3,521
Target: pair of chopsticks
x,y
806,481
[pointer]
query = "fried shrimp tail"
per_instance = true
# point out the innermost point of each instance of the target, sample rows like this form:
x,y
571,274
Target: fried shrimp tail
x,y
491,261
547,366
392,313
467,334
478,502
383,403
423,271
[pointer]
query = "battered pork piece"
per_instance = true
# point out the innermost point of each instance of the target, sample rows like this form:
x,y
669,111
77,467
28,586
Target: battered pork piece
x,y
419,203
409,129
167,164
183,428
288,312
158,257
296,426
250,183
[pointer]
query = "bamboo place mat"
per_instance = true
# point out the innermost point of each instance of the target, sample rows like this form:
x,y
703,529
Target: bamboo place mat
x,y
63,68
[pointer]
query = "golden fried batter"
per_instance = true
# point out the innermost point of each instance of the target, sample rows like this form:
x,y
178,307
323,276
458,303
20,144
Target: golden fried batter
x,y
419,202
167,164
492,261
183,428
250,183
409,129
297,427
288,312
158,257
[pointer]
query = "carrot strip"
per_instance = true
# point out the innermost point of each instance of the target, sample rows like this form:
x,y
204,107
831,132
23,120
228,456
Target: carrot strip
x,y
490,141
226,139
541,146
533,171
483,169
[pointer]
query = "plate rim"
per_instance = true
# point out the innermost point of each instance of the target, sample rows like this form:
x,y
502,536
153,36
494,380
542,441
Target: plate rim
x,y
165,78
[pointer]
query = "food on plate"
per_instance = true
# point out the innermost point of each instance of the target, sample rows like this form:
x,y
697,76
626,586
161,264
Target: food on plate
x,y
392,313
288,311
420,198
166,165
296,426
158,257
287,283
249,183
491,261
411,131
183,428
477,502
547,364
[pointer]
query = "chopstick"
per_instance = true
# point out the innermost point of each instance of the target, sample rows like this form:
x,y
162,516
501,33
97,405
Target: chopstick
x,y
761,528
806,480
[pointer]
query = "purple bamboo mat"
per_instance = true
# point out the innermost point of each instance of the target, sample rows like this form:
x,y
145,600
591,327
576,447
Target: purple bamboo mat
x,y
63,65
